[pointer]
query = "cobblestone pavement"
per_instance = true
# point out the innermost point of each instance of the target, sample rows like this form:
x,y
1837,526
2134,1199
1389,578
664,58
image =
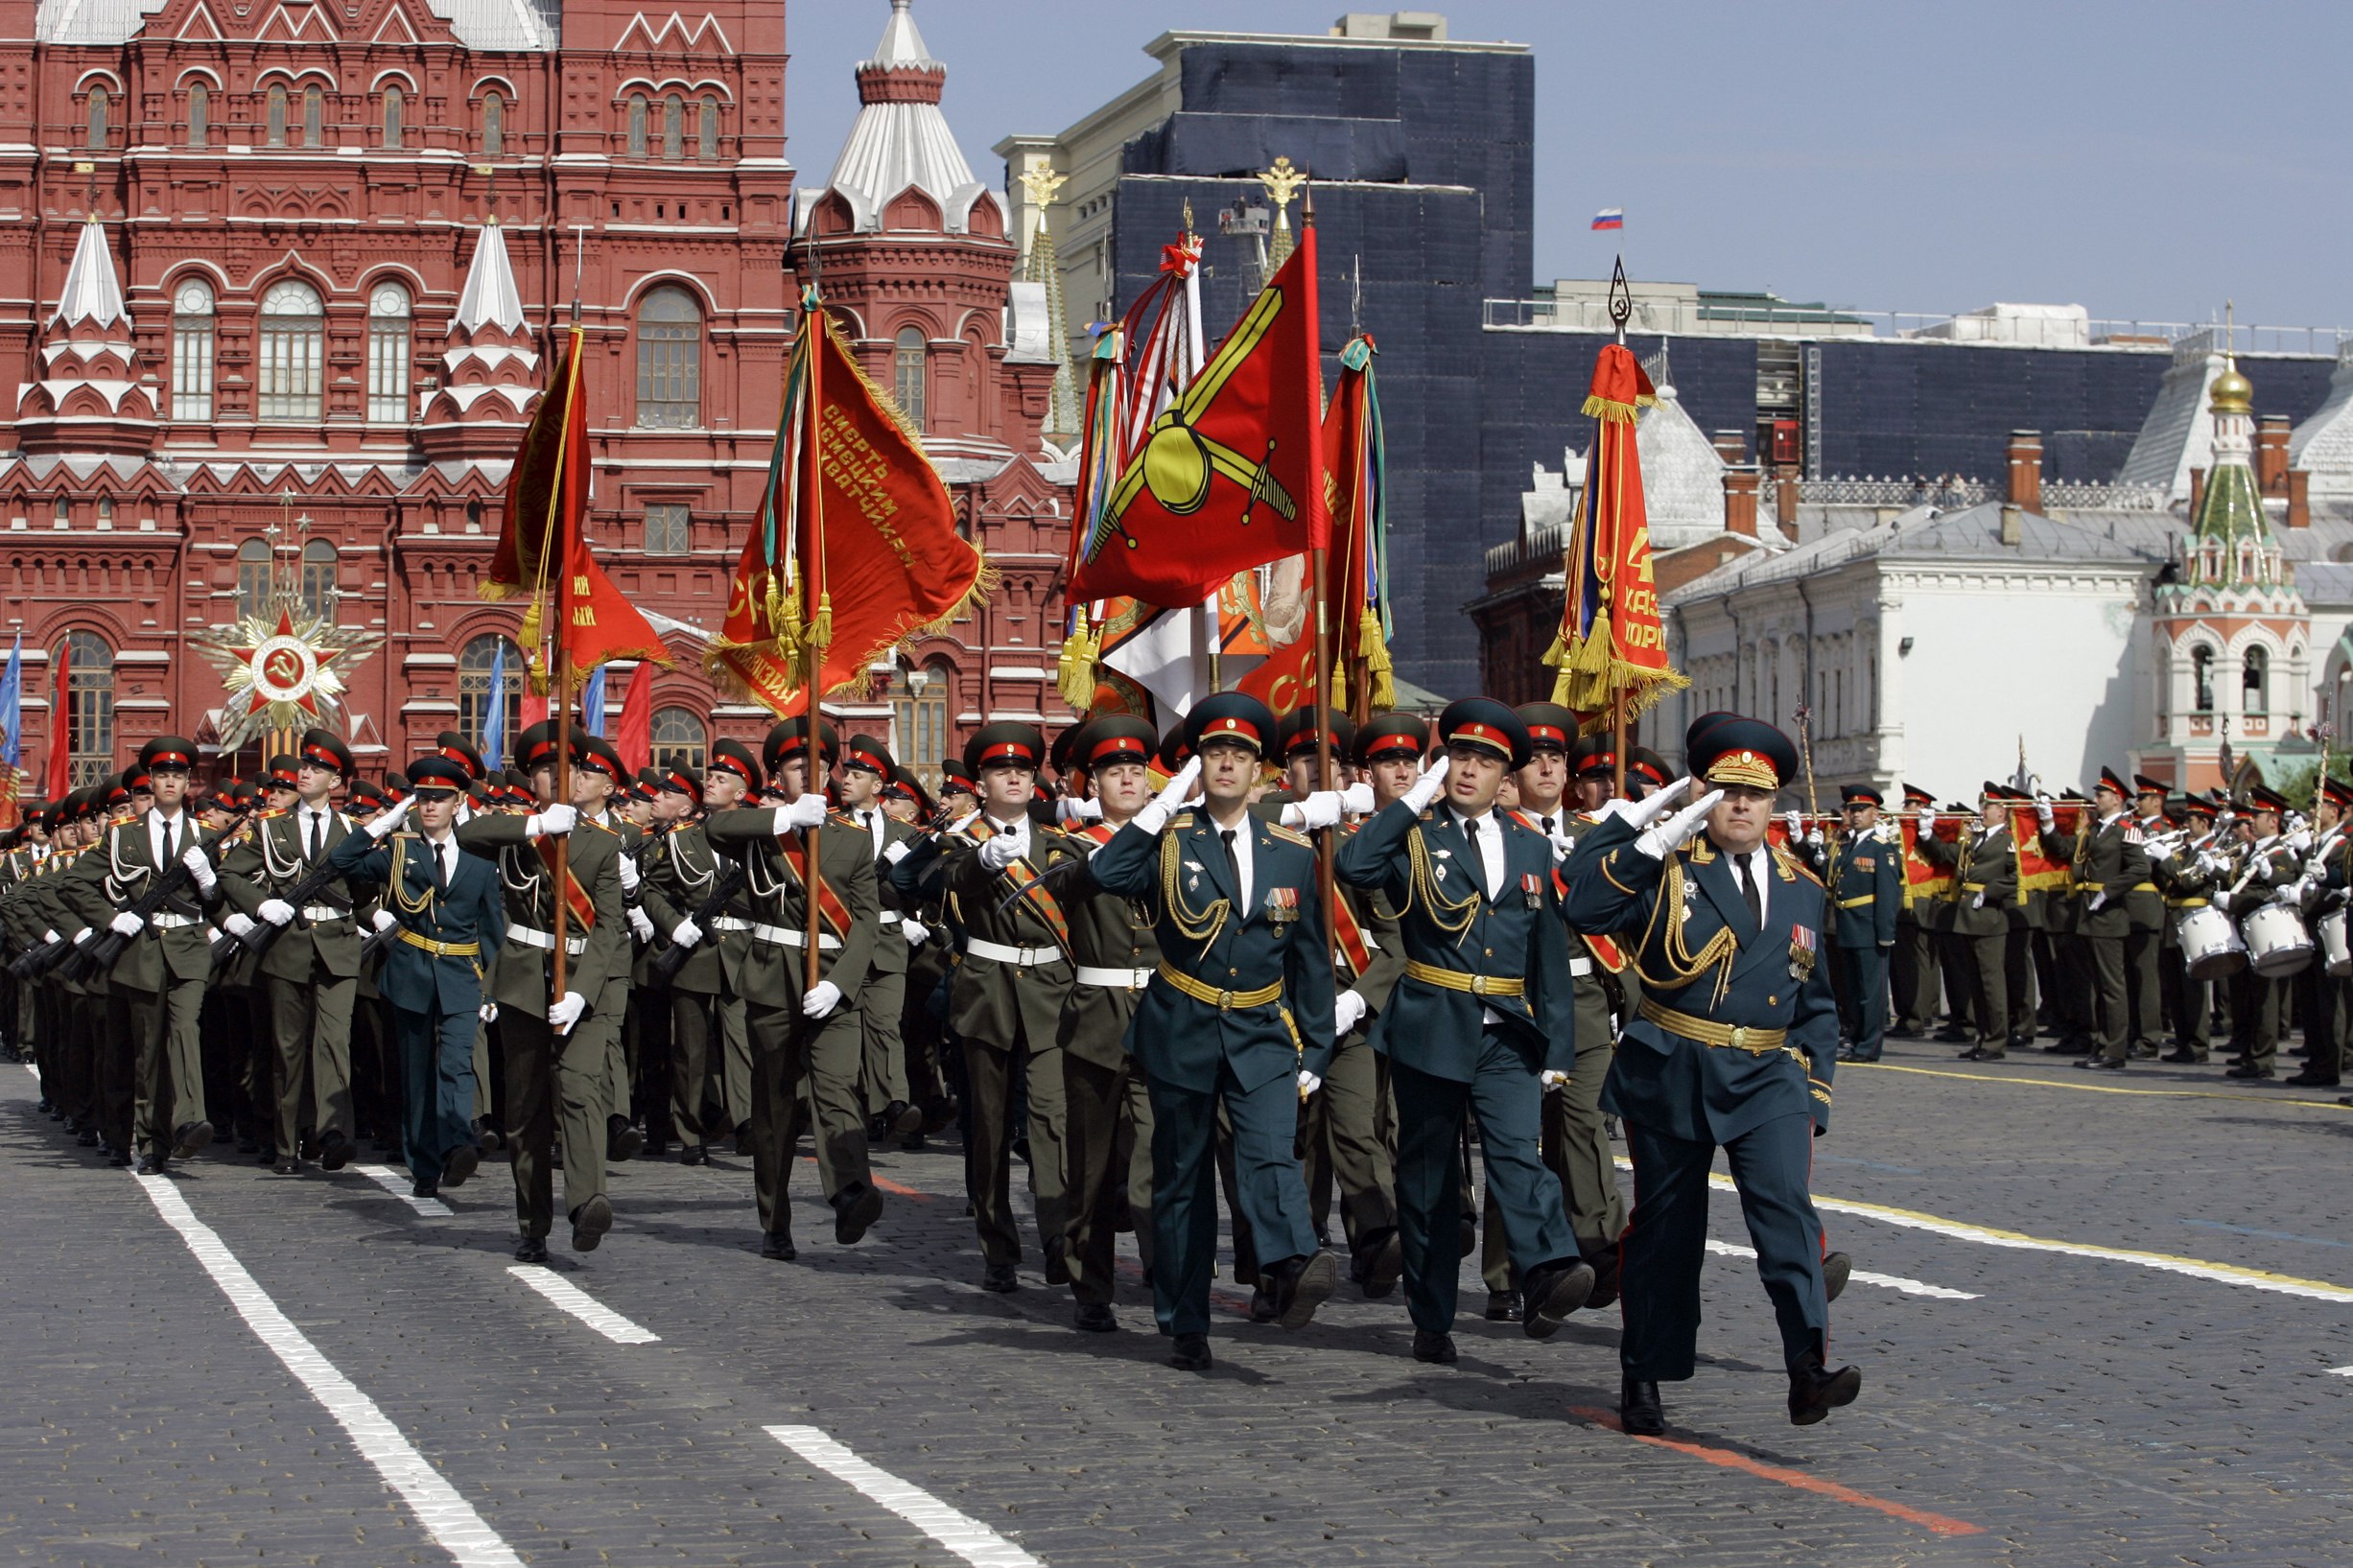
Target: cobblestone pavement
x,y
2092,1407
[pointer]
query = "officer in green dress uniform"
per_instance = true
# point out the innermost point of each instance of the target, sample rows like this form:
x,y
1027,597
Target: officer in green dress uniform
x,y
2106,864
864,771
1984,889
710,1061
1732,1048
1912,966
930,952
1867,893
451,923
2328,874
2266,867
1239,1015
2144,935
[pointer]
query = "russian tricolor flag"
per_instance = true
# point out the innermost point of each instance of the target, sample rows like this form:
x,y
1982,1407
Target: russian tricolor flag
x,y
1610,218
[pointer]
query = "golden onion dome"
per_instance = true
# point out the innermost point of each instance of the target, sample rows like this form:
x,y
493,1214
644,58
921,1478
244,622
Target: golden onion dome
x,y
2232,393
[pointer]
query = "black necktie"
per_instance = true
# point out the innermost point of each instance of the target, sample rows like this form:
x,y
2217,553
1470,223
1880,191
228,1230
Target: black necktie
x,y
168,855
1749,890
1547,821
1233,867
314,821
440,870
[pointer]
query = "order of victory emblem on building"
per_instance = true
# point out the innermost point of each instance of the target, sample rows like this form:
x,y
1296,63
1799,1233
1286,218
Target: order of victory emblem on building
x,y
284,668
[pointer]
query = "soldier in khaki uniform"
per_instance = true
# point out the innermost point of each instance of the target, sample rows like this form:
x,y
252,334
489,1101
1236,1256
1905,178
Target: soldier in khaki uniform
x,y
2144,935
866,770
1984,890
2106,864
708,1065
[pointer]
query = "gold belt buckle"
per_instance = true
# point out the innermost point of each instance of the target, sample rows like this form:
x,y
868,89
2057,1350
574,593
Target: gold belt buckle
x,y
1225,1001
1478,985
1740,1037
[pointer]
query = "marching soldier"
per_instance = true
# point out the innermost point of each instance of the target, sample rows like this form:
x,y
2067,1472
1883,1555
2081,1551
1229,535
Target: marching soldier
x,y
930,952
1984,892
2145,932
448,912
2106,865
1866,893
598,773
2267,867
2328,876
2186,871
1486,1006
865,769
1912,966
711,1062
1733,1048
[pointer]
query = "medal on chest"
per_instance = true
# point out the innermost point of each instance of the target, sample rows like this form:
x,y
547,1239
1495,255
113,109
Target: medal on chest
x,y
1281,905
1532,889
1800,953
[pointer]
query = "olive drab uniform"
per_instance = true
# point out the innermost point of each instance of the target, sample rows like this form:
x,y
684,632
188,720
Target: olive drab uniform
x,y
1984,891
2144,943
2258,1001
2106,864
710,1054
1351,1138
883,1077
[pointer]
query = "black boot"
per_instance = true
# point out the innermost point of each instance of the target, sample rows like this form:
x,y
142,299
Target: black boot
x,y
1814,1393
1639,1408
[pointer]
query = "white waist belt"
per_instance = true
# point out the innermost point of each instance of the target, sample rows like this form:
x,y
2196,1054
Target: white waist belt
x,y
319,911
730,923
532,937
163,919
793,936
1580,966
1021,957
1114,979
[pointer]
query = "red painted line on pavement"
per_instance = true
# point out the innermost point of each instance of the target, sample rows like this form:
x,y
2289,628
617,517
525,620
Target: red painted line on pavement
x,y
1731,1460
888,1185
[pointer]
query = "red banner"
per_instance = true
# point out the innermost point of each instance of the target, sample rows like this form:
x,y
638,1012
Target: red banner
x,y
2037,871
1924,879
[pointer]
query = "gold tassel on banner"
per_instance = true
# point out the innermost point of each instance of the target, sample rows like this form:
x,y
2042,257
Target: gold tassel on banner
x,y
1373,650
821,629
1074,670
532,621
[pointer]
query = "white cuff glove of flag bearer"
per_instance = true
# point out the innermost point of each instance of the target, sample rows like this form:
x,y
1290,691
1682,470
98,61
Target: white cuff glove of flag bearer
x,y
1346,1010
1928,818
199,867
1006,847
686,933
125,924
387,823
550,822
1174,794
806,810
2042,814
1356,799
640,923
1318,808
385,920
819,1000
237,925
915,931
1796,823
1433,780
1640,814
564,1014
1676,831
628,873
277,911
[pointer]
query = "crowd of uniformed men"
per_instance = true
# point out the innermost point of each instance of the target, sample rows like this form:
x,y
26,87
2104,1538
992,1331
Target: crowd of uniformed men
x,y
1141,983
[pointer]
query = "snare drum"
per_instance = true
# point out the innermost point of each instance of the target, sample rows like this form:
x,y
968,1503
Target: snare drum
x,y
2210,945
2278,945
2334,948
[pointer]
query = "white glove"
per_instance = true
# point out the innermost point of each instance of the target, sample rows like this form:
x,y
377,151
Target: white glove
x,y
2158,853
277,911
1640,814
1309,1083
2299,840
820,999
81,936
1551,1079
387,823
236,923
550,822
488,1012
49,935
1562,846
1676,831
916,932
1067,810
963,822
1978,902
806,810
1319,808
199,867
384,919
2042,814
1432,781
1928,819
686,933
1006,847
1174,794
628,873
2098,898
2221,900
125,924
1796,822
640,923
1357,800
566,1012
1347,1011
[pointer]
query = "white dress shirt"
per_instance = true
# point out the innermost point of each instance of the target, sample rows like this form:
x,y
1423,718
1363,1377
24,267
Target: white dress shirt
x,y
1242,866
871,818
1759,869
315,820
1487,833
155,820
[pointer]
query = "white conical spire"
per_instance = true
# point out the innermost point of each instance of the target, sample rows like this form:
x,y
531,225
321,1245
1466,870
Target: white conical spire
x,y
92,291
490,293
902,44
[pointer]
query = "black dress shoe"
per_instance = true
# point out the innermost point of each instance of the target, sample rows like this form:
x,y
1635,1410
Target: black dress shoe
x,y
1606,1266
903,1118
531,1249
1971,1054
1438,1349
913,1143
590,1223
1552,1291
1814,1393
459,1164
1094,1317
287,1165
117,1159
777,1245
87,1137
2182,1055
1261,1304
309,1148
1299,1285
189,1136
2102,1064
424,1189
693,1153
1191,1353
152,1165
486,1137
1000,1278
1638,1410
1057,1262
1503,1306
1380,1264
2248,1069
2309,1079
622,1142
2144,1053
334,1151
1991,1053
855,1210
1837,1268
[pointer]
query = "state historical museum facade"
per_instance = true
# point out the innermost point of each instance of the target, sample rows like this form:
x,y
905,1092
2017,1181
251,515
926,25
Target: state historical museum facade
x,y
282,282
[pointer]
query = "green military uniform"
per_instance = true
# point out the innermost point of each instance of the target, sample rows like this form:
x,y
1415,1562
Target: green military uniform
x,y
882,1003
2144,930
1913,966
2186,874
2265,866
1984,891
1866,884
2105,865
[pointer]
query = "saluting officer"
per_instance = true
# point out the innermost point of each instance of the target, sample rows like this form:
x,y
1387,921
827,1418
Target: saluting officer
x,y
1238,1014
1732,1047
451,923
1867,893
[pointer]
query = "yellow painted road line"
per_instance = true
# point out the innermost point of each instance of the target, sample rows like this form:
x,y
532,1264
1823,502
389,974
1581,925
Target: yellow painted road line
x,y
2101,1089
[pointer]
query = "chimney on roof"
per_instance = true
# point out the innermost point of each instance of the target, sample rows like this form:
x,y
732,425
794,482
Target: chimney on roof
x,y
1732,446
1741,482
2299,499
2025,472
2014,526
2198,493
2271,434
1785,503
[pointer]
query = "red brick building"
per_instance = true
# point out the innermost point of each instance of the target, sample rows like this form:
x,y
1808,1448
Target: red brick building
x,y
295,269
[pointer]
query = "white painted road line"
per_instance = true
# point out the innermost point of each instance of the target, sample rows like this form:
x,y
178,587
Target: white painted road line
x,y
966,1536
2340,1371
580,1304
1885,1281
445,1516
398,1185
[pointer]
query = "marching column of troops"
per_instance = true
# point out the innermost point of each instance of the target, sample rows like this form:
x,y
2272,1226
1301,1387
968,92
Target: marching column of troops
x,y
1199,966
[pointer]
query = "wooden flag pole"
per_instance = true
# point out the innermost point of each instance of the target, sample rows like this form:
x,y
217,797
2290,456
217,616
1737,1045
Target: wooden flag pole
x,y
560,863
1319,565
816,602
1621,309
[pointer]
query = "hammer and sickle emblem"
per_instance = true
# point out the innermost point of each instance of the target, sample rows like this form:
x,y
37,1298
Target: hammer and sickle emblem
x,y
283,669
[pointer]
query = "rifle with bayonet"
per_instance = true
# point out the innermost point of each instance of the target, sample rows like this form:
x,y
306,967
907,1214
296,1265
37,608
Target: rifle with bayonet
x,y
100,954
730,882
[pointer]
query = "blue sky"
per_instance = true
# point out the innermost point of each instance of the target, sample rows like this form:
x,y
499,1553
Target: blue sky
x,y
2145,160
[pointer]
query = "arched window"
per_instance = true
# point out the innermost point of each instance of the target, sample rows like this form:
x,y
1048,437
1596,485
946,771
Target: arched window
x,y
637,124
707,132
276,115
2256,683
98,115
89,694
919,711
191,323
908,377
318,577
392,116
293,343
679,738
313,117
674,128
199,114
2201,678
494,124
474,664
670,359
252,578
387,354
